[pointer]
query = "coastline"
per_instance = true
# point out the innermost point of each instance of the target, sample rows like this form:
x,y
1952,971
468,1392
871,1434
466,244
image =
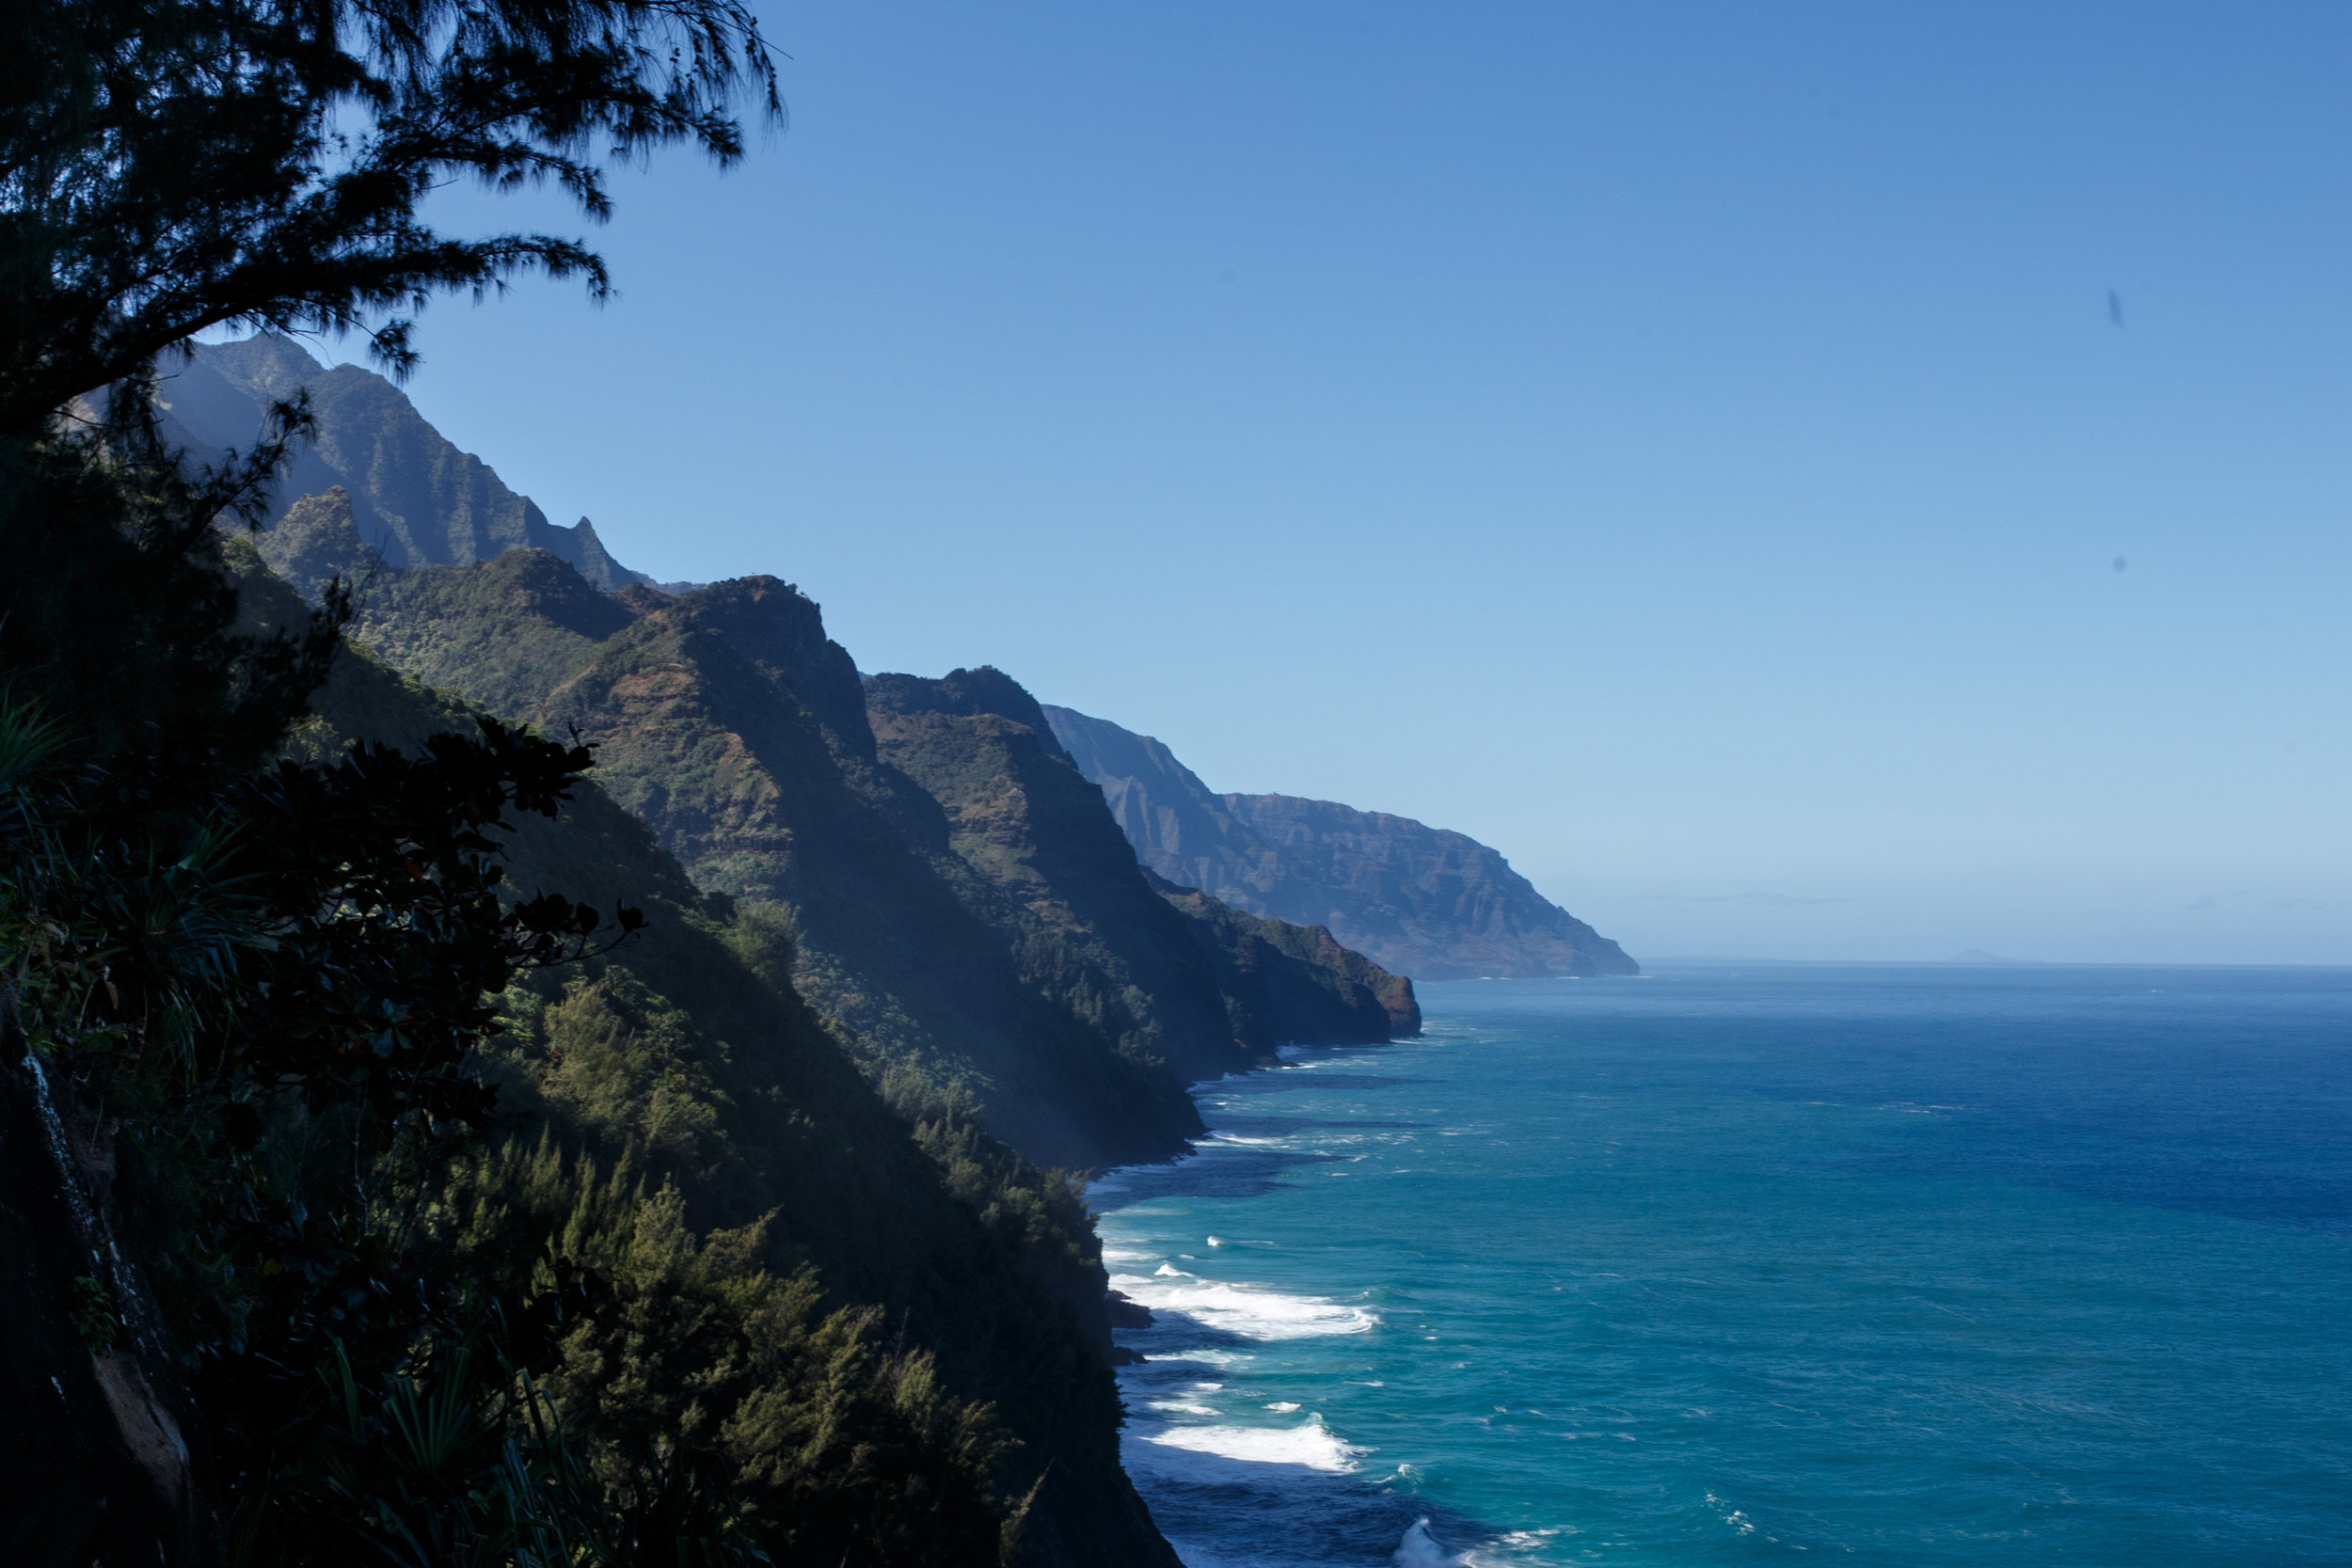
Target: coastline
x,y
1910,1263
1193,1331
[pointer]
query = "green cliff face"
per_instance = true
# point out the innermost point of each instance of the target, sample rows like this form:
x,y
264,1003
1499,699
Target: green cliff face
x,y
1050,871
957,896
710,713
736,1161
1416,899
902,960
1165,972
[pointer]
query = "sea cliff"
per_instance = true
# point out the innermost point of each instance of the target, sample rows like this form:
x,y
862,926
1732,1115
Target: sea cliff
x,y
1418,900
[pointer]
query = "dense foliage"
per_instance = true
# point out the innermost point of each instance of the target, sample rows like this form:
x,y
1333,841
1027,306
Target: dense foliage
x,y
263,972
447,1227
265,1006
280,1006
168,165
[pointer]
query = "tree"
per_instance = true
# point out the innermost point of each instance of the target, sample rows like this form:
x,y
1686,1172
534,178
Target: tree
x,y
259,993
171,166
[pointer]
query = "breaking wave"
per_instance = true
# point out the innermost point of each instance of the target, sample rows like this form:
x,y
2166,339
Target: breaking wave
x,y
1244,1310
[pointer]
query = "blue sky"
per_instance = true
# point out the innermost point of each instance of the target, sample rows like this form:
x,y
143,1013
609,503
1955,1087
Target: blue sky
x,y
1689,447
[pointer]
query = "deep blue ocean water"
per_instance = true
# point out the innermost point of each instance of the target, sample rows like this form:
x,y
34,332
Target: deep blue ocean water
x,y
1919,1265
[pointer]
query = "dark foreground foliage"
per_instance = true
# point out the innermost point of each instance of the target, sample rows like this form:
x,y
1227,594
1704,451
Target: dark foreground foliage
x,y
402,1220
261,985
168,165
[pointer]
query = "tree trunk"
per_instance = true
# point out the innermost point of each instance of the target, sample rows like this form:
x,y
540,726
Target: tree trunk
x,y
95,1468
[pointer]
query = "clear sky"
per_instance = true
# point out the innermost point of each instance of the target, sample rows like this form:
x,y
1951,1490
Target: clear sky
x,y
1803,481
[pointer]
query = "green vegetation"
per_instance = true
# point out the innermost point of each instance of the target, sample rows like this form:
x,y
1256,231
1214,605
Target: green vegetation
x,y
677,1066
404,1157
360,1200
731,726
960,905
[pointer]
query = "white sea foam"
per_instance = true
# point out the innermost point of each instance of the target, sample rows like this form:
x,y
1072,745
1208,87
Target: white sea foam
x,y
1420,1549
1310,1446
1243,1309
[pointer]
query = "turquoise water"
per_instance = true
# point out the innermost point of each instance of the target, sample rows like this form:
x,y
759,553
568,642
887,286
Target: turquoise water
x,y
1919,1265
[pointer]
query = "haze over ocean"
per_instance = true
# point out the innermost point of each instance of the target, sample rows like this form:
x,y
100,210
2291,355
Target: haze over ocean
x,y
1928,1265
1689,447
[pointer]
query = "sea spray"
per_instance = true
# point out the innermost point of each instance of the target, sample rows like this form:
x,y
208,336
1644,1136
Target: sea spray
x,y
1250,1311
1310,1445
1420,1549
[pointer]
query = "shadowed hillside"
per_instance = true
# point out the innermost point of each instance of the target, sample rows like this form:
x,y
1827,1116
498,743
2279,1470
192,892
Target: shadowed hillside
x,y
685,1065
1164,977
709,714
956,894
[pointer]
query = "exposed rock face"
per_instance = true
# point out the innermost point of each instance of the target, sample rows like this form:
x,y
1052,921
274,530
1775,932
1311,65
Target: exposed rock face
x,y
414,498
1418,900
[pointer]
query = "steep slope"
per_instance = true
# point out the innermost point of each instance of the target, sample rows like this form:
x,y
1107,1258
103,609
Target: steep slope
x,y
684,1056
1064,888
415,499
1418,900
958,897
1293,985
710,713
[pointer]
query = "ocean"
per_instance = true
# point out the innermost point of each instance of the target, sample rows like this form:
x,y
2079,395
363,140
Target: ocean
x,y
1922,1265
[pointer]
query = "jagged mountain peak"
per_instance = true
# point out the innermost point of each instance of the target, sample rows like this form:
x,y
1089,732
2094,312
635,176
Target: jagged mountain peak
x,y
781,631
416,499
268,365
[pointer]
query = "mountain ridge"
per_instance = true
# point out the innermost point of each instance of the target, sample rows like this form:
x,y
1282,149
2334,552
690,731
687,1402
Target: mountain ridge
x,y
950,928
958,897
1418,900
416,499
